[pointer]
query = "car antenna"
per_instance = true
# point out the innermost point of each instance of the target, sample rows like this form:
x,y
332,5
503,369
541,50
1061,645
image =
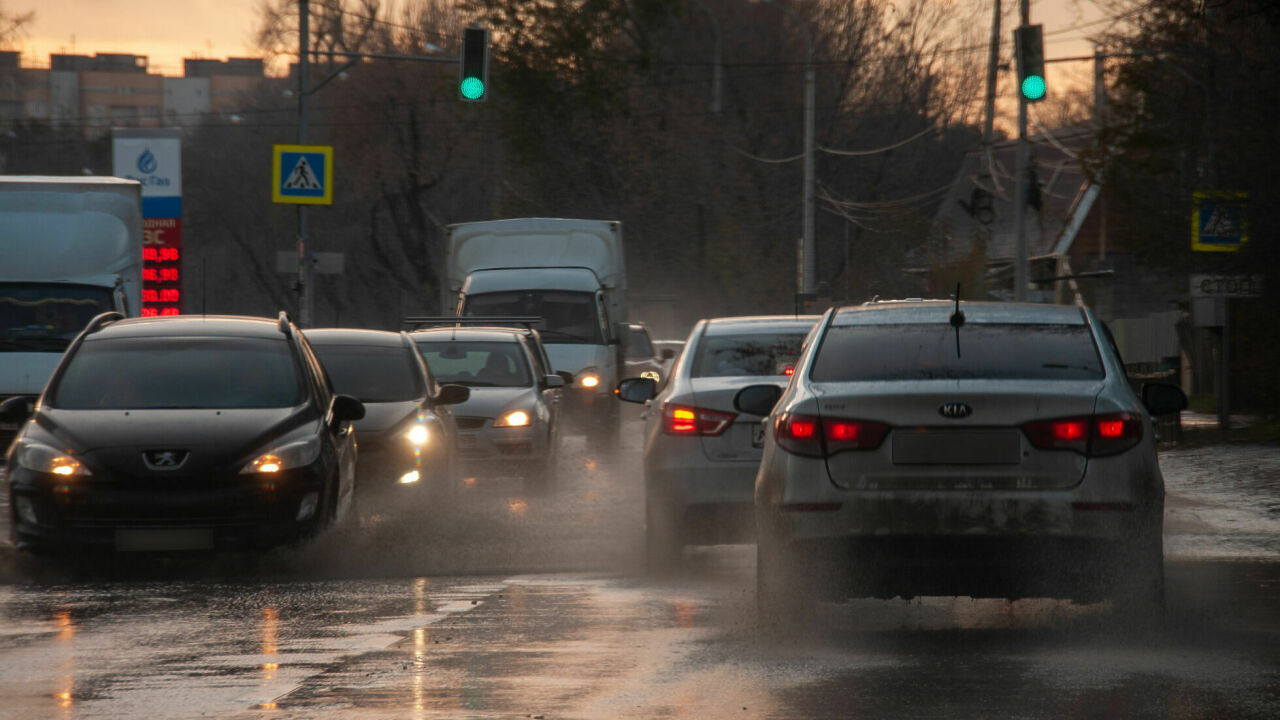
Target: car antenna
x,y
957,318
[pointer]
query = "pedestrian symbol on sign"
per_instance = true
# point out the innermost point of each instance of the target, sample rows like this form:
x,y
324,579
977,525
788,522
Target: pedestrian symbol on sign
x,y
302,174
302,178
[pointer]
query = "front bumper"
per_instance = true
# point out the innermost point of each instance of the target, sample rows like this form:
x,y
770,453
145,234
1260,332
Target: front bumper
x,y
172,513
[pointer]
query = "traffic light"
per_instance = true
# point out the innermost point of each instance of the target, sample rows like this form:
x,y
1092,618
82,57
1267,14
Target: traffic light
x,y
1028,40
473,84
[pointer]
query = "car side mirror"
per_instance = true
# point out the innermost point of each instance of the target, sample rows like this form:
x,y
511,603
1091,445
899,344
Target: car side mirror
x,y
668,353
552,381
452,395
347,408
1163,399
757,399
636,390
568,376
16,409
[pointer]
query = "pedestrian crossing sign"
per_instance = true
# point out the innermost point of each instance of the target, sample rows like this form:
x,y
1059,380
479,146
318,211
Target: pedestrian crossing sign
x,y
302,174
1219,221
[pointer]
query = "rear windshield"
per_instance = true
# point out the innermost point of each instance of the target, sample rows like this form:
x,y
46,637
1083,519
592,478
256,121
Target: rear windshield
x,y
926,352
202,372
371,373
477,364
743,355
638,345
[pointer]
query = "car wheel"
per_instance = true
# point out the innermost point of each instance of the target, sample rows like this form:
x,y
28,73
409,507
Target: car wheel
x,y
663,549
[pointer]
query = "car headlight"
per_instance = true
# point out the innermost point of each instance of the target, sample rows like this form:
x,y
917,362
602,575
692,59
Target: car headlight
x,y
285,457
512,418
589,378
42,458
418,435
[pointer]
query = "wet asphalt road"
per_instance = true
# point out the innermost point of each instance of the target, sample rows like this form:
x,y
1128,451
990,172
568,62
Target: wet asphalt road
x,y
517,604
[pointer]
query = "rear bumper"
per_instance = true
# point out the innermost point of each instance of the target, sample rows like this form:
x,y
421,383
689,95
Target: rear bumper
x,y
711,502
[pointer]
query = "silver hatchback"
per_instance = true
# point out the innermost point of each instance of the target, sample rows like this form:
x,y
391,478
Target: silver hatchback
x,y
700,454
940,448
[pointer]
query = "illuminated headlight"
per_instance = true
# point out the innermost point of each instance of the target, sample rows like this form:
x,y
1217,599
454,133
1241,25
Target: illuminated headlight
x,y
418,435
589,380
44,459
652,375
286,457
512,418
410,477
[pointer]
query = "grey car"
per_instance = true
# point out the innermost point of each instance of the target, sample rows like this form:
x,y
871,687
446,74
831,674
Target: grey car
x,y
943,448
700,454
510,423
407,437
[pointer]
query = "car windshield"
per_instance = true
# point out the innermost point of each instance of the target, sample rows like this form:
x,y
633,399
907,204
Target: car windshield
x,y
929,351
371,373
747,354
182,372
477,364
44,317
568,317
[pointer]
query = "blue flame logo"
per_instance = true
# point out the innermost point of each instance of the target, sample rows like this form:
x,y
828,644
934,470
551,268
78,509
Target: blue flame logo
x,y
147,162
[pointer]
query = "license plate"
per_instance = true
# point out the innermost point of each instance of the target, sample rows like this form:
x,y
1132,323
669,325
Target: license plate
x,y
164,539
757,435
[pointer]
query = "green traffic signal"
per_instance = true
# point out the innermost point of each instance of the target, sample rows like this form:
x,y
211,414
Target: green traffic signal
x,y
1033,87
472,88
473,80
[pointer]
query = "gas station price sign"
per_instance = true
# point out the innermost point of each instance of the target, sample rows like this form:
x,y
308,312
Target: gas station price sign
x,y
161,266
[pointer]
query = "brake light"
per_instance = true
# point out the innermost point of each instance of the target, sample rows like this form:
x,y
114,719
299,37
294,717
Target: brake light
x,y
686,420
1091,435
822,437
789,370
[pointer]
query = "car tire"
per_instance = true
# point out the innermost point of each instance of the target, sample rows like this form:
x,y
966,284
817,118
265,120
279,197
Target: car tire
x,y
663,548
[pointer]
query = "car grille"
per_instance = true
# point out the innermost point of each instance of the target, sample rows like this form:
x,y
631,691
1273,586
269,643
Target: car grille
x,y
470,423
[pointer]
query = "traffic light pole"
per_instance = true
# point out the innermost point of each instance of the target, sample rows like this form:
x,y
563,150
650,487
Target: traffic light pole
x,y
306,264
1021,267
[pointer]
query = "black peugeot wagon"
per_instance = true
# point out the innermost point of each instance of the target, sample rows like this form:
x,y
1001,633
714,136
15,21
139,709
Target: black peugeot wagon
x,y
182,433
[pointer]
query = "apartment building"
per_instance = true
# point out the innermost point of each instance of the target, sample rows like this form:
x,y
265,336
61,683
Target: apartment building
x,y
105,90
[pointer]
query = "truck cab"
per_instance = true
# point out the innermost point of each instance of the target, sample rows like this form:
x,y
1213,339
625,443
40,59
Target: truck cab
x,y
70,249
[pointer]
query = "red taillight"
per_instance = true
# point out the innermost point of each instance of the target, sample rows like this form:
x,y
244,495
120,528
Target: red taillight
x,y
1091,436
820,437
686,420
789,370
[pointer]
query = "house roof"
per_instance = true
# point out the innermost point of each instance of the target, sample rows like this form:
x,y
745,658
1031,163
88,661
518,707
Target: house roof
x,y
980,201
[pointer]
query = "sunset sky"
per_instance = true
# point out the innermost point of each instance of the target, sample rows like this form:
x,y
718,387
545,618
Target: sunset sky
x,y
169,30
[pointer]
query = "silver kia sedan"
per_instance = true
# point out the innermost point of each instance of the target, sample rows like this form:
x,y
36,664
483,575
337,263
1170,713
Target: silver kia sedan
x,y
700,454
943,448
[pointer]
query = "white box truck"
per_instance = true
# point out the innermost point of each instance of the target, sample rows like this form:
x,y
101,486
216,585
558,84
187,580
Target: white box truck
x,y
70,248
572,274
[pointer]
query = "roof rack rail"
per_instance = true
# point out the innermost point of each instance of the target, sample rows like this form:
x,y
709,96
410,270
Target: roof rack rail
x,y
426,321
102,319
284,323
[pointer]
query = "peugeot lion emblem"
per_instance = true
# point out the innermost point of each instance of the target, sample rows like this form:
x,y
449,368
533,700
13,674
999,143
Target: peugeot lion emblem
x,y
164,459
955,410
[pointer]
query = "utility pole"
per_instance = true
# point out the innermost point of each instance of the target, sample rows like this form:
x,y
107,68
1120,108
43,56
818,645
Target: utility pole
x,y
306,266
993,65
810,251
1021,268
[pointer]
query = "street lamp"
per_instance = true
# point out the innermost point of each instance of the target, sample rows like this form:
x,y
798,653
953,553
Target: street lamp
x,y
807,251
